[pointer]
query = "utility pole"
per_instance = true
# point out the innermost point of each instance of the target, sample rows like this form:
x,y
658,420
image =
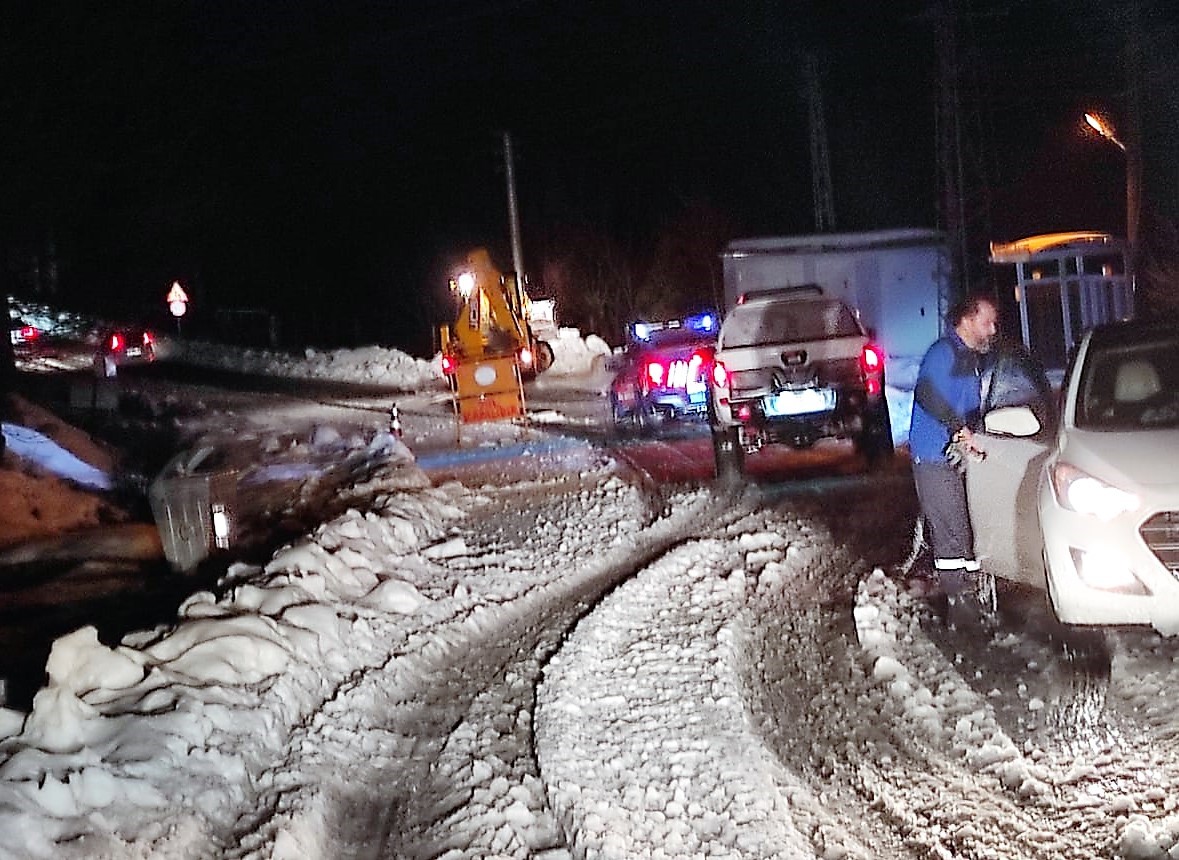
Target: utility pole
x,y
1133,141
821,192
949,144
513,210
964,204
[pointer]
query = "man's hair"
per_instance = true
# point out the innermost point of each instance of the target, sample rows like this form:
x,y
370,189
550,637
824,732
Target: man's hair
x,y
968,305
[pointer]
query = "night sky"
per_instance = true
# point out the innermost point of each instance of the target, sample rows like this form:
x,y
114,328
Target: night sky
x,y
328,160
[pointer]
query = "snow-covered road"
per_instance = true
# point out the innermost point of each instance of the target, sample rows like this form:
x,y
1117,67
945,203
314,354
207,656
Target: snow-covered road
x,y
560,657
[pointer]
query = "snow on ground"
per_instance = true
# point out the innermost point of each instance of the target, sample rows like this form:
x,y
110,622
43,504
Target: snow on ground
x,y
700,707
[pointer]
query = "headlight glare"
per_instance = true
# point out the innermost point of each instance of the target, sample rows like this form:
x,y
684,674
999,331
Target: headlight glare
x,y
1081,492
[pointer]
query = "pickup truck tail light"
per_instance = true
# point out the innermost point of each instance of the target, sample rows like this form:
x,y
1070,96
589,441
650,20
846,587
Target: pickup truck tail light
x,y
720,375
872,369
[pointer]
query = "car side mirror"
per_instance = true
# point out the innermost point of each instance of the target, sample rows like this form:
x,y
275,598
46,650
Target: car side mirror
x,y
1012,421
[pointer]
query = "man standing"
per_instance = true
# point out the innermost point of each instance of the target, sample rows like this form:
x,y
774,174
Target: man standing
x,y
947,402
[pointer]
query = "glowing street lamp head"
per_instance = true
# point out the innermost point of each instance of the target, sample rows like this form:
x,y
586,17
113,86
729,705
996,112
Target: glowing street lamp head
x,y
1098,125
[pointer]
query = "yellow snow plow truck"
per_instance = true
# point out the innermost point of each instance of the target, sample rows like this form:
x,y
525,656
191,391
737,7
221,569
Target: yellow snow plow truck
x,y
490,339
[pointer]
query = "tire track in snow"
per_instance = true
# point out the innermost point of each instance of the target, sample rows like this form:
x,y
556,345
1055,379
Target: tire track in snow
x,y
642,729
464,686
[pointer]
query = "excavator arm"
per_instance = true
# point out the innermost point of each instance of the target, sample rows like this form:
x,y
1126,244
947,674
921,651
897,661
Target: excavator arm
x,y
491,321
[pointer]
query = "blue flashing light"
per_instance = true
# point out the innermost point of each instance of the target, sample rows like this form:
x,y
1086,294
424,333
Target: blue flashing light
x,y
642,331
703,322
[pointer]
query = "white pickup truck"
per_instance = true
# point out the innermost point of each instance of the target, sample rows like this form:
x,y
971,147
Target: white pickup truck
x,y
793,366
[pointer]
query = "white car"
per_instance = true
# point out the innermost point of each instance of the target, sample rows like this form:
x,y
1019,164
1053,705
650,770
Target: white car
x,y
1098,498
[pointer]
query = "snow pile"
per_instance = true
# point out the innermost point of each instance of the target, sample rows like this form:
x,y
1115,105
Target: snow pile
x,y
33,445
374,365
890,635
51,477
171,723
371,364
249,720
574,354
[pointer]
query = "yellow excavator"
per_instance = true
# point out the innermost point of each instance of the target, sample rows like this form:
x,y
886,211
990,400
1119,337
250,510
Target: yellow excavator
x,y
492,321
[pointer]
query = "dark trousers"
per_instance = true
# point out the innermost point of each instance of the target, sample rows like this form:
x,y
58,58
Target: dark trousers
x,y
941,491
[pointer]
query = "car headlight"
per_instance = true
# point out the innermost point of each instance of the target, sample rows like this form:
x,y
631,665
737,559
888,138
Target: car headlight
x,y
1081,492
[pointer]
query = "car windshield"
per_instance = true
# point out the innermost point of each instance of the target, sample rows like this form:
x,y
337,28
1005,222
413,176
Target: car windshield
x,y
1128,386
781,322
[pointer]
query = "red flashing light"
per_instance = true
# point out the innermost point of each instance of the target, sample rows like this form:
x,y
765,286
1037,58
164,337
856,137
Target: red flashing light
x,y
525,357
744,412
872,386
449,366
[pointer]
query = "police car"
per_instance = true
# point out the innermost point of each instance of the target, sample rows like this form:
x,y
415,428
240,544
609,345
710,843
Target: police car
x,y
663,375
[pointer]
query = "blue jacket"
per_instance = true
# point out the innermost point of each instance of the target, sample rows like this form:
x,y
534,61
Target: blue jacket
x,y
947,397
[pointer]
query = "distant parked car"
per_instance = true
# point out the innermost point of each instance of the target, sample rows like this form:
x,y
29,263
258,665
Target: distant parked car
x,y
25,338
1091,510
121,346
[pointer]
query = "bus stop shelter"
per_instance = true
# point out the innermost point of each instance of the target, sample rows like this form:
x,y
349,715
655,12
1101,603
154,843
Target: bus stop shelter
x,y
1065,284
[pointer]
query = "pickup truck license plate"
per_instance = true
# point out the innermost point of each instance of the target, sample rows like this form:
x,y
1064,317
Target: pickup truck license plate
x,y
801,402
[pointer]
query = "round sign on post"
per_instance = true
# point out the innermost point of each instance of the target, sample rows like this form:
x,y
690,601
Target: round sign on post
x,y
177,302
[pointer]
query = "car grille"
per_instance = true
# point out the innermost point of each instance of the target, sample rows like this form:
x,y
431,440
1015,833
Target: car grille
x,y
1161,533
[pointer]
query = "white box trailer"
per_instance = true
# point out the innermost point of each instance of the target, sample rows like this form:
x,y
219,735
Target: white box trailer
x,y
898,280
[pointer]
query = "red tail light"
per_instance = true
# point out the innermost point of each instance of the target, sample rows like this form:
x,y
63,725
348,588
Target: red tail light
x,y
448,365
29,332
116,342
872,368
720,375
147,338
871,359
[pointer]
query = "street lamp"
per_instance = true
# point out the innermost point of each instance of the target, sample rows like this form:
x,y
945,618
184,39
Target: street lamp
x,y
1104,130
1133,184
